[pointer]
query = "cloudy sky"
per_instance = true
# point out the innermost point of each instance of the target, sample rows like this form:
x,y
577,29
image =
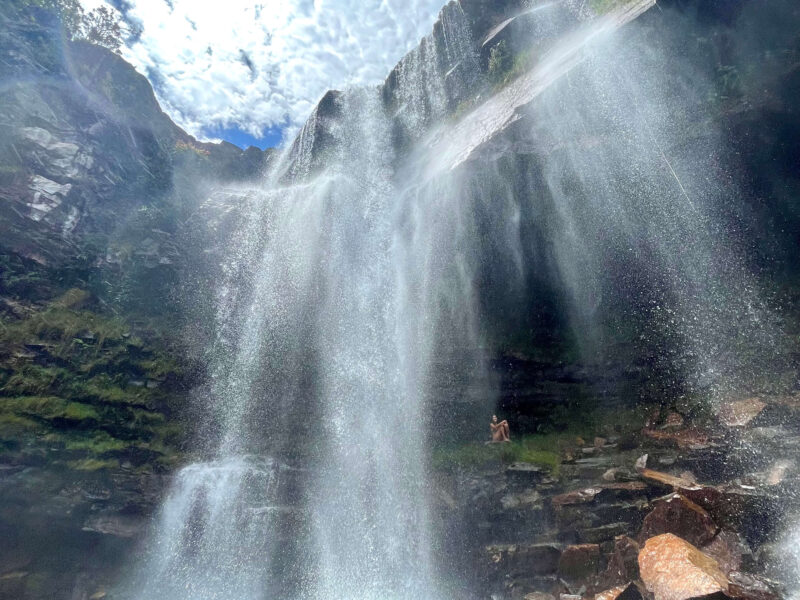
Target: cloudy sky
x,y
251,70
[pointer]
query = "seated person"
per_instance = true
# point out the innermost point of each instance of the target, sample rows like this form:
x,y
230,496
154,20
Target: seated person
x,y
499,430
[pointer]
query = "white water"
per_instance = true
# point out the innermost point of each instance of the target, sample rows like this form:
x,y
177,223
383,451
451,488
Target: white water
x,y
349,277
332,301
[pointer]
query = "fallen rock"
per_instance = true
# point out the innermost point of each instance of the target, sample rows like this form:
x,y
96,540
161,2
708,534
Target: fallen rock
x,y
674,420
728,549
525,473
610,594
689,438
621,592
523,559
778,471
583,496
749,587
666,480
579,563
603,533
739,413
539,596
674,569
618,474
623,564
525,499
641,462
679,515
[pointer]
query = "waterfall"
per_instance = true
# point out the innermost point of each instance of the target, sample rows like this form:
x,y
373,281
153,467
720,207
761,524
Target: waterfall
x,y
327,319
384,243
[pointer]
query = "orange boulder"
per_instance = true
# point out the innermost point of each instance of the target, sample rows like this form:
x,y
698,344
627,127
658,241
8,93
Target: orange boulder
x,y
673,569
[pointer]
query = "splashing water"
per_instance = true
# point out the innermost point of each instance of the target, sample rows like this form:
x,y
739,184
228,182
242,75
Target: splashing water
x,y
383,245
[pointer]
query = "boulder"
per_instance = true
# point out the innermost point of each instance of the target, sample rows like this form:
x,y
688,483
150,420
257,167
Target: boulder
x,y
620,592
623,565
679,515
728,549
689,438
673,569
579,563
539,596
745,586
522,559
739,413
583,496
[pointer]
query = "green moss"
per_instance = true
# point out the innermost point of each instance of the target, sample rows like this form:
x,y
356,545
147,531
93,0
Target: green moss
x,y
97,444
541,450
48,408
34,380
64,325
93,464
602,7
159,367
12,423
102,388
504,68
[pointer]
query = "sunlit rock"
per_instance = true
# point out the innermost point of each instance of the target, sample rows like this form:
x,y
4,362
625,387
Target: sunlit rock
x,y
673,569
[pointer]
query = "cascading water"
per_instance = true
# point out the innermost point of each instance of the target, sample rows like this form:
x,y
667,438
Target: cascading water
x,y
325,314
373,252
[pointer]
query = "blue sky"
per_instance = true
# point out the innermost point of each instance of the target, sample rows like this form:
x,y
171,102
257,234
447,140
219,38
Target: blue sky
x,y
251,71
270,138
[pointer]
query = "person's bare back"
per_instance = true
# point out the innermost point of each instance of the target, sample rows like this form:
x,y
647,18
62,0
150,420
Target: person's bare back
x,y
500,431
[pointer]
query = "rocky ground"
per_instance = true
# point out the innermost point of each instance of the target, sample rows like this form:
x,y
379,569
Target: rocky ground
x,y
670,512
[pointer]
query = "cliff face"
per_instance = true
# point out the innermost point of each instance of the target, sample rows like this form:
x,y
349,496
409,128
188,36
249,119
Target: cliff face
x,y
85,145
95,181
106,205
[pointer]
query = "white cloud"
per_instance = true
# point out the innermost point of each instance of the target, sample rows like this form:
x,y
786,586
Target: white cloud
x,y
254,65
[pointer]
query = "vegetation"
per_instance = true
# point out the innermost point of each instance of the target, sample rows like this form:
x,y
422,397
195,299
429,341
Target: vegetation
x,y
535,449
564,433
499,63
81,387
602,7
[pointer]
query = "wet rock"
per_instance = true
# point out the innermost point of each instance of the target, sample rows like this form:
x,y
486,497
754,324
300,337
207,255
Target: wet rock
x,y
620,592
603,533
525,473
623,563
522,559
666,480
641,462
739,413
674,569
679,515
689,438
115,525
629,490
579,563
779,470
673,420
583,496
727,548
539,596
526,499
618,474
750,587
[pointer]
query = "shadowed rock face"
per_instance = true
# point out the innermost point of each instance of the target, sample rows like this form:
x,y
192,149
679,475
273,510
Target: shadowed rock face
x,y
86,145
